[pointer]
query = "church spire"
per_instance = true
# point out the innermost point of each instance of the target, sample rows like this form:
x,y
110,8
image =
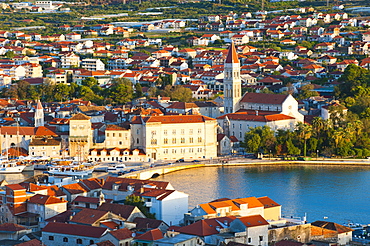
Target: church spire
x,y
232,81
39,114
232,55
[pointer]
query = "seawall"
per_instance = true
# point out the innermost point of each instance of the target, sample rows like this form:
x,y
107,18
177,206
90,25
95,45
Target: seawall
x,y
162,170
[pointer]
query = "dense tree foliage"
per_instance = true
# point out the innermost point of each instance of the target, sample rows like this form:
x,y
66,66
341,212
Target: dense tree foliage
x,y
345,139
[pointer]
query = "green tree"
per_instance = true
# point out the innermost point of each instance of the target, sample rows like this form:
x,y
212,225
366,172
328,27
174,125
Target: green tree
x,y
121,91
304,132
138,90
307,91
291,148
252,142
178,93
139,202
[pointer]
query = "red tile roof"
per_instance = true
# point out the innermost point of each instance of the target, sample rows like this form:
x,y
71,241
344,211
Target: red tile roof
x,y
263,98
205,227
45,199
253,220
77,230
171,119
119,209
11,227
15,187
88,216
33,242
268,202
151,235
121,234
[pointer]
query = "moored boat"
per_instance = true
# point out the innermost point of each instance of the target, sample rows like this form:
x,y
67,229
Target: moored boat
x,y
78,170
11,167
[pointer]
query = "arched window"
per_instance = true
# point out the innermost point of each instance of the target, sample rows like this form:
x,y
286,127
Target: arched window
x,y
91,241
79,241
65,239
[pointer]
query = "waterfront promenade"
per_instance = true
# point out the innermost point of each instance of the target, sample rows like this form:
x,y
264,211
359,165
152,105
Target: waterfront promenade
x,y
151,172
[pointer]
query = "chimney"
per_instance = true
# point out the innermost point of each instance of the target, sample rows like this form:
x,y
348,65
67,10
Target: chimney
x,y
256,112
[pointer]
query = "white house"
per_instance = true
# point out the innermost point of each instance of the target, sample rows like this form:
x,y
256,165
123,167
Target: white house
x,y
168,205
93,64
254,228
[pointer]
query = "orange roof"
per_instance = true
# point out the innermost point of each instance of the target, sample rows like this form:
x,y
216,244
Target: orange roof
x,y
45,199
171,119
268,202
254,220
151,235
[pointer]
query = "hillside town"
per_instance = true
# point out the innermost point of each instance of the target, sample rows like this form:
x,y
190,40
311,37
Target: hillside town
x,y
174,90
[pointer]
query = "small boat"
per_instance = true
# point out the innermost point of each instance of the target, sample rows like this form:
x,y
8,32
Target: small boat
x,y
73,170
11,167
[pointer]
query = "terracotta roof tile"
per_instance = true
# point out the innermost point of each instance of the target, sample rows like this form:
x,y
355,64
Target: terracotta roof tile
x,y
151,235
88,216
11,227
121,234
77,230
45,199
263,98
253,220
119,209
80,116
145,223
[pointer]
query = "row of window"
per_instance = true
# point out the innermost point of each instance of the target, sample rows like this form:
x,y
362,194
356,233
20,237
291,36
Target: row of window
x,y
114,135
43,147
182,131
182,151
66,240
174,140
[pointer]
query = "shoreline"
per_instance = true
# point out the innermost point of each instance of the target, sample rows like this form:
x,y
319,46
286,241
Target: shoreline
x,y
162,170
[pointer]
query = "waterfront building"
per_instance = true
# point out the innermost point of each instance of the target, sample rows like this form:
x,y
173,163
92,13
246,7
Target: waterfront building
x,y
49,147
263,206
174,137
331,232
252,230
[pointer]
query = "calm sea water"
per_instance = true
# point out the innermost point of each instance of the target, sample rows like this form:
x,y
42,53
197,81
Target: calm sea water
x,y
339,193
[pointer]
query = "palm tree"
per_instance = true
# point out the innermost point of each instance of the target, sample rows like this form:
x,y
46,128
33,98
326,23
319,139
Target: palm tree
x,y
318,125
304,132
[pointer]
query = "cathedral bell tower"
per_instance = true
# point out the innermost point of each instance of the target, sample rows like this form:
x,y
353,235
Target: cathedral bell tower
x,y
39,114
232,81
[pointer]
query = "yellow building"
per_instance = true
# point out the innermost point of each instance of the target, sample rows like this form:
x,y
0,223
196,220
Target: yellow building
x,y
80,136
173,137
49,147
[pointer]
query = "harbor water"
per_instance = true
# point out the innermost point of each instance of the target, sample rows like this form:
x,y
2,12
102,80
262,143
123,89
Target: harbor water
x,y
334,193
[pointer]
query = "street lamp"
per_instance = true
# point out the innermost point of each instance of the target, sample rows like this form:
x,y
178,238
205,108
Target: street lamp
x,y
317,154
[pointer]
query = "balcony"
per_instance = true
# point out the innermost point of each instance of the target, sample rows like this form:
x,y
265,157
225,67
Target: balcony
x,y
148,204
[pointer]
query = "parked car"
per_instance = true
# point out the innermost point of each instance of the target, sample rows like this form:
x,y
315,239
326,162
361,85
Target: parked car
x,y
196,161
180,160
